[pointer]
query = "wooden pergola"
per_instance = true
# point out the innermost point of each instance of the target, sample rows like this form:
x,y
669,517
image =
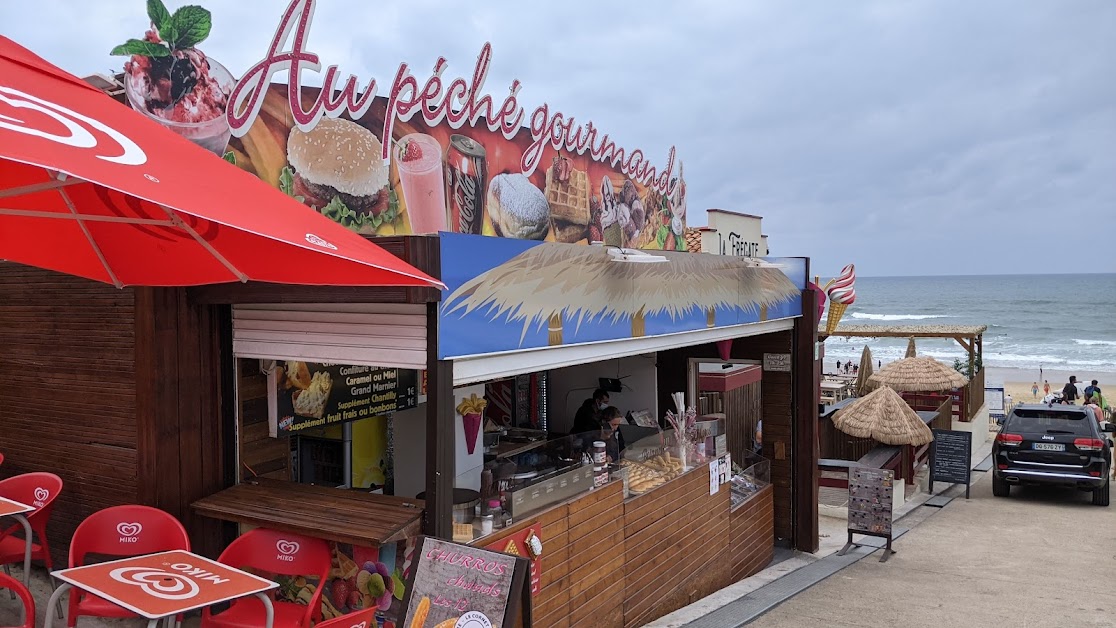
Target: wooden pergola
x,y
970,337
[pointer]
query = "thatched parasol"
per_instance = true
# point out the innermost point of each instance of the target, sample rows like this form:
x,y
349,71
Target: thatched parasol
x,y
550,283
918,375
910,349
883,416
863,372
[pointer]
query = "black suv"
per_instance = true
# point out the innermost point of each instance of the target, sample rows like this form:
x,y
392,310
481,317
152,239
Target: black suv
x,y
1059,445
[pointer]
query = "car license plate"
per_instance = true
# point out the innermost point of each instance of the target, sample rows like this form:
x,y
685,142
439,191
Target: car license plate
x,y
1049,446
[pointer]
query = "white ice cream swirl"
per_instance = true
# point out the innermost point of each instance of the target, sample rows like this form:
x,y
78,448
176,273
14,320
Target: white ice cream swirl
x,y
843,289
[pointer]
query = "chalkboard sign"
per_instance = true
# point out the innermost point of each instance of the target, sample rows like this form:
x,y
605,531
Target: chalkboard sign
x,y
450,582
870,495
950,457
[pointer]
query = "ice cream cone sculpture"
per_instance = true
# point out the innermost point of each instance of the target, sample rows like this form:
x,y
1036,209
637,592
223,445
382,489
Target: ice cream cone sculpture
x,y
842,294
471,408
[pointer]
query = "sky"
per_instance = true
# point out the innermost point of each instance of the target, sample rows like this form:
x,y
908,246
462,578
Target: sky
x,y
923,137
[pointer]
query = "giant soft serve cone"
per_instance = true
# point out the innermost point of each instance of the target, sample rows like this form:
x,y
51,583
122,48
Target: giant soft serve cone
x,y
842,294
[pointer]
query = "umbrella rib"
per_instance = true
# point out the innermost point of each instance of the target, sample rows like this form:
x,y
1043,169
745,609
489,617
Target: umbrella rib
x,y
27,213
178,222
93,243
40,187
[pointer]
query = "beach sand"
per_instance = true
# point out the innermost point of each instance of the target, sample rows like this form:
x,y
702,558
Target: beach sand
x,y
1017,382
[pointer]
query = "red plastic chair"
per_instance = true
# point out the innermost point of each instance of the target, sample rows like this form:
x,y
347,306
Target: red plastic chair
x,y
119,532
277,553
15,586
34,489
359,619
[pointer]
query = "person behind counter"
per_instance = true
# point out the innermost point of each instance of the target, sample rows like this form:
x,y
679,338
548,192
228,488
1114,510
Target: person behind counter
x,y
611,419
588,415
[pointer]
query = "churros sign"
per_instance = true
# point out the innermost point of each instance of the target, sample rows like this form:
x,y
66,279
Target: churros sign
x,y
458,101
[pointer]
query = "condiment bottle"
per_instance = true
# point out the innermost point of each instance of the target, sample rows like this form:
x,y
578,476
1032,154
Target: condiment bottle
x,y
486,525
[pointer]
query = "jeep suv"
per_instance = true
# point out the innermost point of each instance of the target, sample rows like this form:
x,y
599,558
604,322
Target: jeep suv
x,y
1058,445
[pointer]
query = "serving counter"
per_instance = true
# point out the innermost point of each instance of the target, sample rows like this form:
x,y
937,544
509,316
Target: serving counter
x,y
610,561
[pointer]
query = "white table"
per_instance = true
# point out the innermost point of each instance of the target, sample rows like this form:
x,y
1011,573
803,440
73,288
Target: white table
x,y
163,585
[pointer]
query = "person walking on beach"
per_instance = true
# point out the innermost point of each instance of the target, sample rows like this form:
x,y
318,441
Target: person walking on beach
x,y
1046,387
1092,389
1034,390
1069,391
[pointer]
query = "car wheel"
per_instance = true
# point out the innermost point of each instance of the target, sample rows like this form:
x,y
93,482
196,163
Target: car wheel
x,y
1100,495
1000,487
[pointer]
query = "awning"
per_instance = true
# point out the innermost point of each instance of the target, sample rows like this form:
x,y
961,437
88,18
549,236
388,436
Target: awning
x,y
91,188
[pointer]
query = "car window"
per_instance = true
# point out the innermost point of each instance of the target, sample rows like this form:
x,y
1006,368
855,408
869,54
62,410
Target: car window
x,y
1041,420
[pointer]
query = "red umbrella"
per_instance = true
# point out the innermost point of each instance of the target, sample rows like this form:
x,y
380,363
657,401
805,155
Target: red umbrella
x,y
89,187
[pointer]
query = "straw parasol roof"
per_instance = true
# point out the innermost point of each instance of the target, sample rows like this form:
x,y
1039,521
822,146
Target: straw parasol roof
x,y
585,284
911,349
918,375
863,385
885,417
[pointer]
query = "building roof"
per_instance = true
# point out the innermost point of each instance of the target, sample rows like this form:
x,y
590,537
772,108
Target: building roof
x,y
906,331
728,211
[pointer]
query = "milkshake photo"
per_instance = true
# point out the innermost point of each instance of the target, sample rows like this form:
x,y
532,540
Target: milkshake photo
x,y
418,158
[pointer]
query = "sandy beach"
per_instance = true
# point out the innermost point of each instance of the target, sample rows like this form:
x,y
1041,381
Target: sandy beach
x,y
1017,382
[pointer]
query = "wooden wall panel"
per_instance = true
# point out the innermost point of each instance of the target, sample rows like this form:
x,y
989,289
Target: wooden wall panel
x,y
67,406
751,535
260,454
182,353
672,557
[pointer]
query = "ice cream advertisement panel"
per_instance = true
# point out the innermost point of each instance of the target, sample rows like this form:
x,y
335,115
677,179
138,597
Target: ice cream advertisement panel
x,y
418,152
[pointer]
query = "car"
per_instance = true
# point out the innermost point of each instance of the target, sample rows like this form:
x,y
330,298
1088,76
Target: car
x,y
1053,445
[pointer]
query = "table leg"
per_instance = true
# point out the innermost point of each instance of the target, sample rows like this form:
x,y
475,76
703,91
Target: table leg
x,y
268,609
51,604
26,550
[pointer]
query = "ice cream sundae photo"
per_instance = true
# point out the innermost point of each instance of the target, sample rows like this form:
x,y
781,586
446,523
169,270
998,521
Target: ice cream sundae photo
x,y
168,79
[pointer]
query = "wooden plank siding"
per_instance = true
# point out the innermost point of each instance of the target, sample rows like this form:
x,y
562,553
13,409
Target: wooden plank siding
x,y
611,563
259,453
68,404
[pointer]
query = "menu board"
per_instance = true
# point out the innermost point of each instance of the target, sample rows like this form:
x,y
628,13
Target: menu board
x,y
950,457
870,494
451,583
310,394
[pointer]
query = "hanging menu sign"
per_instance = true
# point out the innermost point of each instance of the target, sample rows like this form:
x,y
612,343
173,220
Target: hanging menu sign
x,y
950,457
870,494
452,584
310,394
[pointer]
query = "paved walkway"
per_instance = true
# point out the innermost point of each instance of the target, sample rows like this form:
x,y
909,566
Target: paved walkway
x,y
1039,558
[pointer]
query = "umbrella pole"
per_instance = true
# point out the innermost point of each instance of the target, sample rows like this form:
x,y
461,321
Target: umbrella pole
x,y
554,330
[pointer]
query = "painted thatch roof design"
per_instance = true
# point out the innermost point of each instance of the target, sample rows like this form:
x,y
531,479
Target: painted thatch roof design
x,y
919,375
585,283
863,385
884,417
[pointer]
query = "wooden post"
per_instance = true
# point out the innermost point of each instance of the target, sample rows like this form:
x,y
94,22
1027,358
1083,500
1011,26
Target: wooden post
x,y
805,425
440,461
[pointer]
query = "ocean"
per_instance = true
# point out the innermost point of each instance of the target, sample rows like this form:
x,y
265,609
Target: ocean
x,y
1058,322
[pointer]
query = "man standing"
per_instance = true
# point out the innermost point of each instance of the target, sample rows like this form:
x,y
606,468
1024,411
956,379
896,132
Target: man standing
x,y
1092,389
586,419
1069,391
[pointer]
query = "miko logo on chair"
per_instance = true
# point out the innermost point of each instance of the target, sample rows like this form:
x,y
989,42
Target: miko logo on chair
x,y
129,532
286,549
41,495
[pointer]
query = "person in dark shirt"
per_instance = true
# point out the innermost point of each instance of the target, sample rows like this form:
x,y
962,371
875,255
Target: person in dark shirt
x,y
1092,389
588,415
1069,391
611,420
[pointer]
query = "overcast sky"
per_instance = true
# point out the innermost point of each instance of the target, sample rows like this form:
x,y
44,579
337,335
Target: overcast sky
x,y
912,138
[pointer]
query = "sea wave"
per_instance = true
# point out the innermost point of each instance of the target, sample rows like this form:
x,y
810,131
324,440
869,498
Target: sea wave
x,y
896,317
1106,343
